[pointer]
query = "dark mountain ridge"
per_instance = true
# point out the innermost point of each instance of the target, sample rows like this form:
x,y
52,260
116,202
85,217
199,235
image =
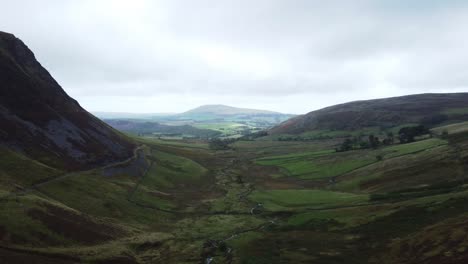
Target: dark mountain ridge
x,y
38,118
428,109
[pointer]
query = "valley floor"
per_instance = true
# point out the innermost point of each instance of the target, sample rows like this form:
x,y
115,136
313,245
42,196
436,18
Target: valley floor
x,y
258,202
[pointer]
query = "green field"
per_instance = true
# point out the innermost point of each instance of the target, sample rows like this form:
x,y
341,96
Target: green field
x,y
328,163
270,148
405,149
452,129
228,129
317,135
289,199
315,165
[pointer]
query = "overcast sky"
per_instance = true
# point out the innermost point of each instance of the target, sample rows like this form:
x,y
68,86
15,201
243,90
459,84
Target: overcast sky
x,y
291,56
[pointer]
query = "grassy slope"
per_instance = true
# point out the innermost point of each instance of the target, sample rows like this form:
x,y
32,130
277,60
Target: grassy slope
x,y
95,198
327,163
436,203
170,170
430,109
452,128
325,223
18,170
417,164
291,199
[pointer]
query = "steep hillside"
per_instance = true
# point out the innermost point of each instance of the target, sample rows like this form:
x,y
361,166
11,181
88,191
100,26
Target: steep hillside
x,y
428,109
40,120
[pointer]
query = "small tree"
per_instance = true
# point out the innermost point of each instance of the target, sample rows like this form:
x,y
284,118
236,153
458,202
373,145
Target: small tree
x,y
374,141
444,134
364,144
390,138
346,145
219,144
408,134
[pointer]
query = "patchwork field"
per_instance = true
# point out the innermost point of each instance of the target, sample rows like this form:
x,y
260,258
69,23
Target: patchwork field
x,y
328,163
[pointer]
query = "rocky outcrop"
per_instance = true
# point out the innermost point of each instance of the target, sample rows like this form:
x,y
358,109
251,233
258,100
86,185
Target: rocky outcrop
x,y
38,118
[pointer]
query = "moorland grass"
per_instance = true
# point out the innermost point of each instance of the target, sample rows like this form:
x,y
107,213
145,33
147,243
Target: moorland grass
x,y
22,227
94,194
21,170
456,111
290,199
169,170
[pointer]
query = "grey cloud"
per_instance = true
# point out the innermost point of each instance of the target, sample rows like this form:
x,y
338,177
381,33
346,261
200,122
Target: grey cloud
x,y
264,50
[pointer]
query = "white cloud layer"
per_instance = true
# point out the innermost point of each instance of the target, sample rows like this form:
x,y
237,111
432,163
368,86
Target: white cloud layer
x,y
285,55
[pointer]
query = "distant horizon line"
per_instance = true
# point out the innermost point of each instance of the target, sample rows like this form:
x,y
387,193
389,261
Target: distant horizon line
x,y
174,113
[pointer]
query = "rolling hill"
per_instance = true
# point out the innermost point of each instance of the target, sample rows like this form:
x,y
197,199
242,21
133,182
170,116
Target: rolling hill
x,y
427,109
206,121
40,120
146,127
228,114
224,110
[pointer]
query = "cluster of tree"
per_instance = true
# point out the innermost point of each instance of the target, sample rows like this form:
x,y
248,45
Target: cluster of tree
x,y
405,135
220,144
408,134
362,142
253,136
223,144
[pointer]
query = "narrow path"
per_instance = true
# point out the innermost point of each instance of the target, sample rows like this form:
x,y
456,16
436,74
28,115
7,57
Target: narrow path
x,y
70,174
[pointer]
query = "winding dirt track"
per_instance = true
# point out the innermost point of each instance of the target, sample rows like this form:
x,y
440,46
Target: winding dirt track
x,y
53,257
71,174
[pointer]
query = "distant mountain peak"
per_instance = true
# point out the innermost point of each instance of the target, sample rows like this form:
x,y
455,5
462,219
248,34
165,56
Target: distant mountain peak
x,y
221,109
